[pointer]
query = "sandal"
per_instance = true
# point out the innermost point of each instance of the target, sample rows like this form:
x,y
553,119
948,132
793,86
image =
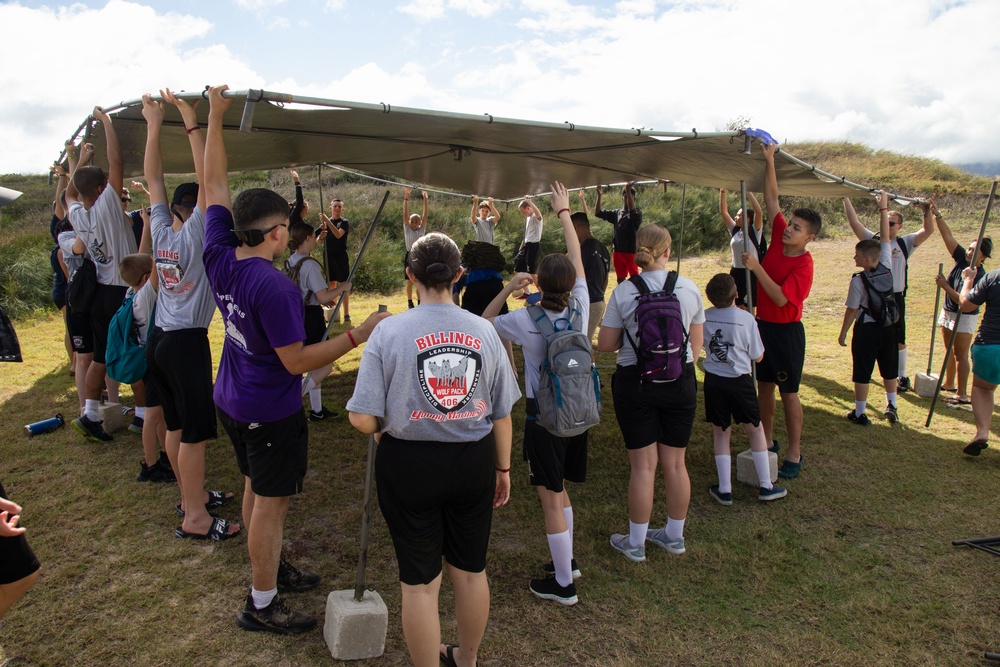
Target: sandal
x,y
215,499
975,447
218,531
955,400
448,657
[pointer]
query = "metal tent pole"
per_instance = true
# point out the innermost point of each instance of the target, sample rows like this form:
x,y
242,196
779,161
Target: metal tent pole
x,y
937,305
680,243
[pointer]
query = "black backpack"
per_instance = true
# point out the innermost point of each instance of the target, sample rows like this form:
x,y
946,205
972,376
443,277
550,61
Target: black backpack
x,y
761,247
882,306
82,287
906,260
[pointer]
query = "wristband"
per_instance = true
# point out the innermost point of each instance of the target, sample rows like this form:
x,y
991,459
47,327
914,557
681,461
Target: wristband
x,y
560,211
503,469
189,130
350,337
884,209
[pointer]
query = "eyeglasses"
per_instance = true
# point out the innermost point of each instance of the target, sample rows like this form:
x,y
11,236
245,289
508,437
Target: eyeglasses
x,y
270,229
126,200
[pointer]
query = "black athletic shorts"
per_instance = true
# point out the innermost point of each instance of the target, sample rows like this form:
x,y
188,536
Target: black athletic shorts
x,y
871,343
784,355
552,459
81,331
654,412
480,293
181,366
731,400
901,323
740,276
274,455
406,263
526,258
151,392
315,324
17,560
338,266
107,300
437,500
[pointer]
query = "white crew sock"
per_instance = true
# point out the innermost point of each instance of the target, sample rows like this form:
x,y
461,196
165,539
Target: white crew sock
x,y
308,384
561,548
859,408
315,399
902,363
637,533
890,398
763,468
140,412
92,409
568,513
262,598
724,466
675,529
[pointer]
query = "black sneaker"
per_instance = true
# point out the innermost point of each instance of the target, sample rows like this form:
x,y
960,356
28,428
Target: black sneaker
x,y
275,617
136,425
409,303
321,414
902,384
860,421
549,589
550,570
891,414
164,462
155,473
347,319
91,430
293,580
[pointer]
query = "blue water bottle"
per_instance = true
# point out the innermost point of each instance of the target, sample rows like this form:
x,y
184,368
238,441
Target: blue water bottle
x,y
44,426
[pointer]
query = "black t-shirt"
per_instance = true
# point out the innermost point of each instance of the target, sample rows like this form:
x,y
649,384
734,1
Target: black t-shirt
x,y
596,265
334,246
956,281
626,224
987,291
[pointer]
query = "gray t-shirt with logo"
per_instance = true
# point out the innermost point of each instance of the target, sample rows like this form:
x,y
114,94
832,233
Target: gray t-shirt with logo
x,y
732,341
107,232
185,299
435,372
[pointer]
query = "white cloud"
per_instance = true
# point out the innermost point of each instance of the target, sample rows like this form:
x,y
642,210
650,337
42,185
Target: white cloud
x,y
333,5
424,10
257,6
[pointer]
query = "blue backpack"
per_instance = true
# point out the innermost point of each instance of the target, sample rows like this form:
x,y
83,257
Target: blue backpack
x,y
125,355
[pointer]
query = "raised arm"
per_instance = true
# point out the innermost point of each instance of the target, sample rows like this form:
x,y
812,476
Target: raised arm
x,y
475,208
629,198
493,211
597,206
949,239
86,154
295,215
216,160
852,219
758,212
423,220
582,196
62,180
152,162
534,209
406,206
116,163
724,212
883,216
560,204
770,180
196,138
925,231
146,242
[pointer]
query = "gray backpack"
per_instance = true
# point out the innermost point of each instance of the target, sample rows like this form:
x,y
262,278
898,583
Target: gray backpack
x,y
569,389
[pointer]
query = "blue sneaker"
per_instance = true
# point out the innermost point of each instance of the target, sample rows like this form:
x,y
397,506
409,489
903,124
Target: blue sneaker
x,y
622,543
773,493
659,538
721,498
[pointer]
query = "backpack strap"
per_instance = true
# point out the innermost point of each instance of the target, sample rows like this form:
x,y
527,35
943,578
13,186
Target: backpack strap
x,y
868,290
542,323
670,283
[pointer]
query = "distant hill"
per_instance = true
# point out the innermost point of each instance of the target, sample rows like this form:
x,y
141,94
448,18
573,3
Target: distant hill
x,y
988,169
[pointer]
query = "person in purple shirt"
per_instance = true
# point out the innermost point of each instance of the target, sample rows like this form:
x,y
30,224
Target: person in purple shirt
x,y
258,387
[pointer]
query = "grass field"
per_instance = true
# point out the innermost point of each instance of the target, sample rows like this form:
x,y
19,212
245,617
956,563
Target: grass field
x,y
854,567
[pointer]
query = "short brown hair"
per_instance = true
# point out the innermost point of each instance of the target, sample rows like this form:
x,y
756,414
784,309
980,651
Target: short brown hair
x,y
89,180
721,290
133,267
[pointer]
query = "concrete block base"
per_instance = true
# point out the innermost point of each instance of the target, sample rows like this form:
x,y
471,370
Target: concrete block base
x,y
925,385
111,415
747,473
355,630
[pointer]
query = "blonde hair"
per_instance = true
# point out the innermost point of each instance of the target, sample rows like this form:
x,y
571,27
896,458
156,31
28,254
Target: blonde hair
x,y
651,241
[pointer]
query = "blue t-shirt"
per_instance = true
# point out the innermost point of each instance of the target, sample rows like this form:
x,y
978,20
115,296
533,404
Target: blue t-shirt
x,y
262,310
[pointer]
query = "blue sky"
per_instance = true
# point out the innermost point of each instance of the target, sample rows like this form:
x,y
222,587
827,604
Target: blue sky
x,y
913,76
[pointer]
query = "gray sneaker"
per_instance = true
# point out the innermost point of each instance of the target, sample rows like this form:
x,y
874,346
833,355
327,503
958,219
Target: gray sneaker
x,y
659,538
634,554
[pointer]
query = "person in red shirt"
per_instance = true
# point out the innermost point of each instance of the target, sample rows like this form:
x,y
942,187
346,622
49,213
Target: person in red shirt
x,y
784,279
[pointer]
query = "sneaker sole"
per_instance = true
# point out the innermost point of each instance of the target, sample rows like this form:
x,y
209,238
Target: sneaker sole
x,y
576,574
247,622
87,434
673,550
721,501
771,497
569,602
634,559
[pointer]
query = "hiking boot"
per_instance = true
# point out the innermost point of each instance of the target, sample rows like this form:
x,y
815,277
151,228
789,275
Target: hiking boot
x,y
773,493
860,421
721,498
549,589
292,580
902,384
634,554
91,430
136,425
275,617
321,414
155,473
550,569
659,538
891,414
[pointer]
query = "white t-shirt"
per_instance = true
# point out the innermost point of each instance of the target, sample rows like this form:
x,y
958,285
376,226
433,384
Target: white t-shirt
x,y
411,235
73,261
857,295
518,327
142,309
898,263
736,245
621,310
106,232
532,229
310,277
732,341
